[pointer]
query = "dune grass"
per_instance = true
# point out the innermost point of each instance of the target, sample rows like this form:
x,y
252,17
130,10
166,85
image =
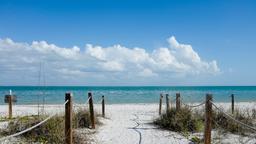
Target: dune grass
x,y
50,132
220,121
180,121
187,121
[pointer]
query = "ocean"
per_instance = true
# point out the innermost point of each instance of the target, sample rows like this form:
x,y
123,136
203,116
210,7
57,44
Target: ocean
x,y
127,94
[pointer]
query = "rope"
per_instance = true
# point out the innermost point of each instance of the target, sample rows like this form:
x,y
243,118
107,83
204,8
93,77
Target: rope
x,y
28,129
98,102
88,100
250,127
78,105
192,106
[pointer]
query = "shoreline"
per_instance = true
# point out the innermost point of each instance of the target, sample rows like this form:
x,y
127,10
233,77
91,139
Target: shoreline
x,y
21,110
217,102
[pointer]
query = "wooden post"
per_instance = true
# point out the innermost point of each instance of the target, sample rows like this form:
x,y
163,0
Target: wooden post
x,y
103,106
232,103
167,103
91,110
208,119
177,101
10,106
160,104
68,118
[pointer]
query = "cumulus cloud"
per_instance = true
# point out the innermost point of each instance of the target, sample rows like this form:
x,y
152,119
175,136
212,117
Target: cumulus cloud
x,y
113,62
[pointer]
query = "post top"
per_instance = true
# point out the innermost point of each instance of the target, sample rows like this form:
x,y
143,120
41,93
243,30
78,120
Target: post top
x,y
69,94
208,94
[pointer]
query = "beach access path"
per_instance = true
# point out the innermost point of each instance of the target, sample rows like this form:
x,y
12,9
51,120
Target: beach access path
x,y
132,124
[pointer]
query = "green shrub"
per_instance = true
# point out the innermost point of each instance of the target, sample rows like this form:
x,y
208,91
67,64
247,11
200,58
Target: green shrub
x,y
81,119
180,121
186,120
220,120
50,132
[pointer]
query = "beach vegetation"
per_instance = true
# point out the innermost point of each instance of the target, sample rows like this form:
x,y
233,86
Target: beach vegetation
x,y
50,132
181,120
187,121
221,121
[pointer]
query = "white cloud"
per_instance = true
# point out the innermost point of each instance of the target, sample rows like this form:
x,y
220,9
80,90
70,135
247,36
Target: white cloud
x,y
147,73
44,47
112,66
114,62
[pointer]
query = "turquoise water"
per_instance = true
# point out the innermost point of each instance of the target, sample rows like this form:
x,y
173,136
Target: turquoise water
x,y
144,94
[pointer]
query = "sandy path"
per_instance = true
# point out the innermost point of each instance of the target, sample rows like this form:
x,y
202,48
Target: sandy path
x,y
130,124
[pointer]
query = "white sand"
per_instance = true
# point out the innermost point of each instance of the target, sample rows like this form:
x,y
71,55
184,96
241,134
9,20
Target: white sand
x,y
129,123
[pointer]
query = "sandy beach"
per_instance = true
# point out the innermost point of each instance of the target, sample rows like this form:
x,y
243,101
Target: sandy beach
x,y
127,72
128,123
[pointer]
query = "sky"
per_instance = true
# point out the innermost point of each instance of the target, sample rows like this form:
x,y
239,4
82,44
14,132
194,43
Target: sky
x,y
128,42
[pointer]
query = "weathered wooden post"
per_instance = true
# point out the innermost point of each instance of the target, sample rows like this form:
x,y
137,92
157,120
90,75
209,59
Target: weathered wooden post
x,y
10,106
232,103
177,101
103,106
160,104
68,118
91,110
208,119
167,103
10,99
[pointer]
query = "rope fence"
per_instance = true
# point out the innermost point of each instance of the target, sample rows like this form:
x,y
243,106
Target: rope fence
x,y
85,104
28,129
208,103
68,104
232,118
193,106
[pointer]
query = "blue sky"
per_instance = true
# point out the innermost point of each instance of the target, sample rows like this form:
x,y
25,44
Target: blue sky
x,y
222,31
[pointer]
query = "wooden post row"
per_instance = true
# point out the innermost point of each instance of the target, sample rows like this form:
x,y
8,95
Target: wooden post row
x,y
167,103
160,104
208,119
232,103
68,118
103,106
91,110
177,101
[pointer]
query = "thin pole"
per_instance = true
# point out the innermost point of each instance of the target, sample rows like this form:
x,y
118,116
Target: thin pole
x,y
167,103
160,104
91,110
232,103
43,87
103,106
10,106
208,119
39,80
177,101
68,119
